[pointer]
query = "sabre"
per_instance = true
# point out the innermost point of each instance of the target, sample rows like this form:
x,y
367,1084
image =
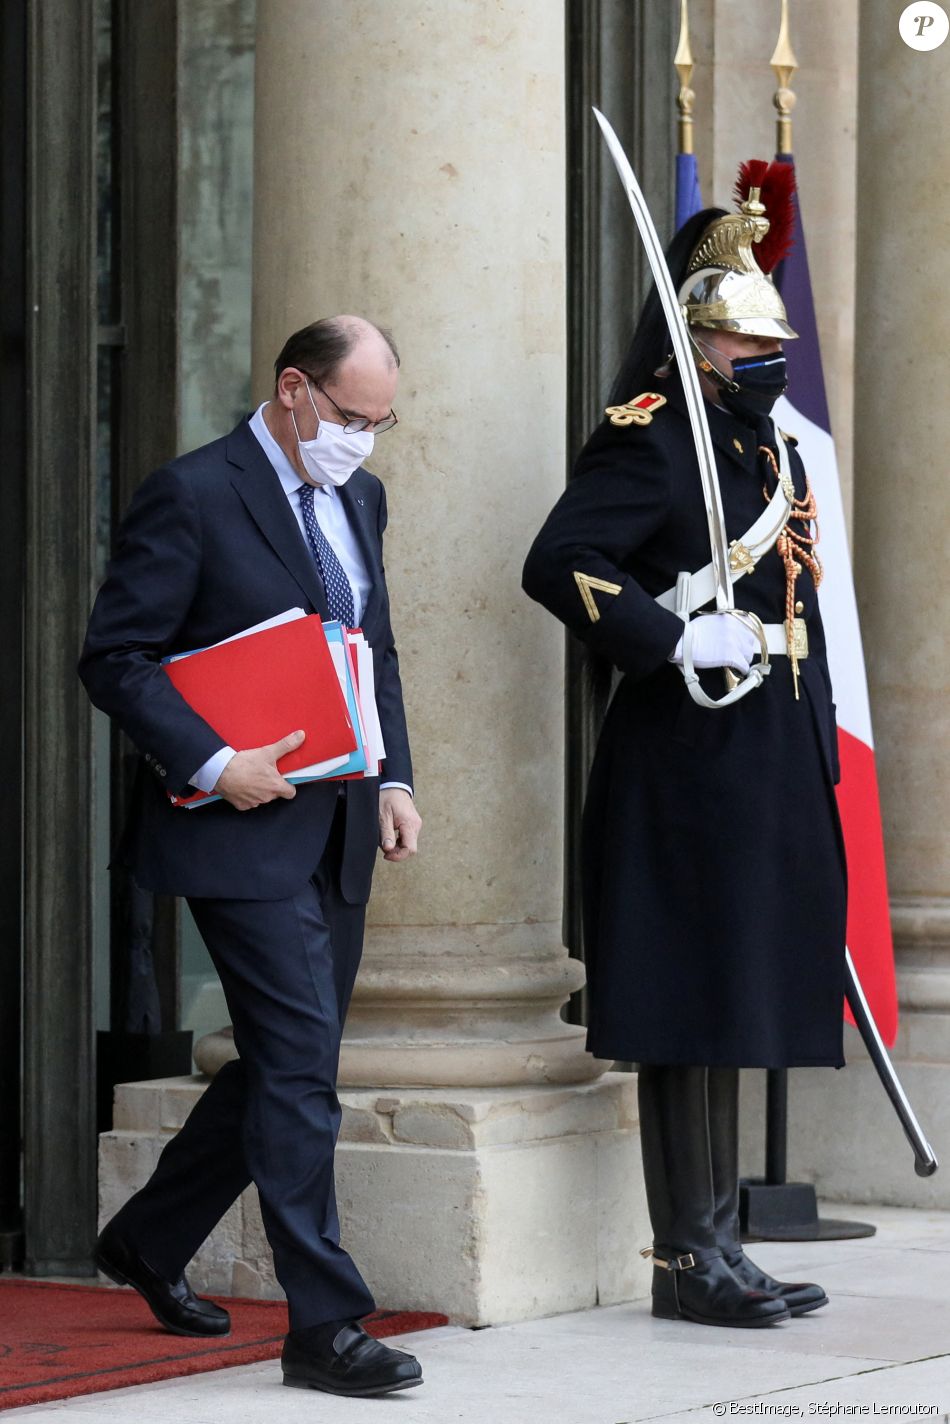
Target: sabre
x,y
925,1160
705,455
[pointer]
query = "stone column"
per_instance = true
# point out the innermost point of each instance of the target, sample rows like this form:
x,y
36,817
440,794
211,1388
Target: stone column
x,y
844,1135
902,528
410,166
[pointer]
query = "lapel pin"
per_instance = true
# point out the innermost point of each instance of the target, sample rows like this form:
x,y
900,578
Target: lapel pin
x,y
359,502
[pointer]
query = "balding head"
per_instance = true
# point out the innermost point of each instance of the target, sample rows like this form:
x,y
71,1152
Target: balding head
x,y
358,331
322,348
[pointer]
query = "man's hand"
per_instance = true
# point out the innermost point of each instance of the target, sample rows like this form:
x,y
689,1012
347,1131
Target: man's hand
x,y
251,778
399,824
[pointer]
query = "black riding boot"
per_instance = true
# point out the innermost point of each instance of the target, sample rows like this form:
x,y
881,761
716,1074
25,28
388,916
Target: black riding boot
x,y
691,1280
723,1096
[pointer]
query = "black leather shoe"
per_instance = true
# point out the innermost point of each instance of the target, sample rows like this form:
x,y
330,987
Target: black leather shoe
x,y
351,1363
799,1296
699,1286
173,1303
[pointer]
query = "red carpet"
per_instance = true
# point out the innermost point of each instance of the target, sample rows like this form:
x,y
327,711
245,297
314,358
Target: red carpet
x,y
61,1340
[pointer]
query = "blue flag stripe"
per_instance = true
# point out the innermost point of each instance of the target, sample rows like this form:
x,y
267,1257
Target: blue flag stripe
x,y
689,199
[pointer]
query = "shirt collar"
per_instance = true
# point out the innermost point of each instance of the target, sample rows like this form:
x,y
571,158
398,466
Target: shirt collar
x,y
288,476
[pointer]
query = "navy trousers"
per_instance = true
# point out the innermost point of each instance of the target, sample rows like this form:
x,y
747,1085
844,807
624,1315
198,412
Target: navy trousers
x,y
272,1116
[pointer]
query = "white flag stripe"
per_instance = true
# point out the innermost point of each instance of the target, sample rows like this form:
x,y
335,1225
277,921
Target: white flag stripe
x,y
839,609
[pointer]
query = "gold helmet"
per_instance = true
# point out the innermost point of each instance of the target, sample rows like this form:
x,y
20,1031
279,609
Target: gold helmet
x,y
725,286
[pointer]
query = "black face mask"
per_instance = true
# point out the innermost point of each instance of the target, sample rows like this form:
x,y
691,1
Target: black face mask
x,y
761,380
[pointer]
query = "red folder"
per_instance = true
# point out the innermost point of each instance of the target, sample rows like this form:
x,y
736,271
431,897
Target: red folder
x,y
255,690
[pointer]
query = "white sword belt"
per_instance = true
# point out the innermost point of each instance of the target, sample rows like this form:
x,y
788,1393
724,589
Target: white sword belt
x,y
778,643
744,554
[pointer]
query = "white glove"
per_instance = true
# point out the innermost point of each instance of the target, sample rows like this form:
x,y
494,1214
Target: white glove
x,y
719,640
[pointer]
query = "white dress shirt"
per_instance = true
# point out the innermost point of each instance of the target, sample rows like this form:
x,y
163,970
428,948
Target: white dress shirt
x,y
328,509
330,514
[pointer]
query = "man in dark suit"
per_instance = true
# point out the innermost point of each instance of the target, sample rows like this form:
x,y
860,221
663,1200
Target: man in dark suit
x,y
276,515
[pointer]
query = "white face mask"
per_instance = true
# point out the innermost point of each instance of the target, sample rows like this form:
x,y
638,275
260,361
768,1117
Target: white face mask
x,y
333,455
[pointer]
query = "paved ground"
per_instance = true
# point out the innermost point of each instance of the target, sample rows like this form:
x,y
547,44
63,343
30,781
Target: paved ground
x,y
880,1350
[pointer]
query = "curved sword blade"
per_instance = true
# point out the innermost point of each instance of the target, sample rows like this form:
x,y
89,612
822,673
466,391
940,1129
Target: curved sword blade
x,y
676,322
925,1160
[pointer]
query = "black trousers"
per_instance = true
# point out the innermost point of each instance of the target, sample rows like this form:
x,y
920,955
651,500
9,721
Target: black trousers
x,y
272,1116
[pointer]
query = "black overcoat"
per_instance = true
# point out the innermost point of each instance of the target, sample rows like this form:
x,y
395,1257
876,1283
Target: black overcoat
x,y
713,863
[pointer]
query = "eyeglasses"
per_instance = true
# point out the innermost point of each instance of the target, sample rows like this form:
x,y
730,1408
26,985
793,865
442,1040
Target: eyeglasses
x,y
352,424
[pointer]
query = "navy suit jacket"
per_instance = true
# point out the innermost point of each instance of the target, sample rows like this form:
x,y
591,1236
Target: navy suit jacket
x,y
209,546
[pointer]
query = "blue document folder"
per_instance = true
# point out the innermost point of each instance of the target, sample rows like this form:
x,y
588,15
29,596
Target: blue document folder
x,y
356,761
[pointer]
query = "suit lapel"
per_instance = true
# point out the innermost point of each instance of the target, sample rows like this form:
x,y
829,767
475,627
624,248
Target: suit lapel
x,y
360,517
257,483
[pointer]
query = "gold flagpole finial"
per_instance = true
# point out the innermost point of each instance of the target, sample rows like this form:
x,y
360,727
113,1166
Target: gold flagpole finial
x,y
784,64
683,64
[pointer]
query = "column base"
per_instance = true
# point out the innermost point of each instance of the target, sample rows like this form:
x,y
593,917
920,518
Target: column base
x,y
488,1204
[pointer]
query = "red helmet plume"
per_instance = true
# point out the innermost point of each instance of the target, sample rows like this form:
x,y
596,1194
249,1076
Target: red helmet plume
x,y
776,182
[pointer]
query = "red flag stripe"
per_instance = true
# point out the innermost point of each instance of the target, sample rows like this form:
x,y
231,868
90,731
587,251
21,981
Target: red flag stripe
x,y
869,925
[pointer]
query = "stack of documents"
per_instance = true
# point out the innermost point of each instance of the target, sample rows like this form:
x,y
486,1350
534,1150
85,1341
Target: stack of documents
x,y
292,671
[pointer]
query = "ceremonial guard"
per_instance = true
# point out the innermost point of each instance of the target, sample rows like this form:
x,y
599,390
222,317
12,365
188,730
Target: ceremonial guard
x,y
713,864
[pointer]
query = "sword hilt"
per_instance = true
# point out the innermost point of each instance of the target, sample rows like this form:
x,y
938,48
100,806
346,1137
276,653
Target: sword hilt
x,y
737,687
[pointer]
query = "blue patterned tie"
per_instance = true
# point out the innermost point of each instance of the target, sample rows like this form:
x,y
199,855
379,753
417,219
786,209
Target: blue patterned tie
x,y
337,585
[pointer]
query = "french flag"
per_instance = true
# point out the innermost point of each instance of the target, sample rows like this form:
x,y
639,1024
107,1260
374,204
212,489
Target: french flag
x,y
803,411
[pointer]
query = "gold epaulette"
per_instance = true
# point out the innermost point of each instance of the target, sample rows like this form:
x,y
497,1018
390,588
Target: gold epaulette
x,y
638,411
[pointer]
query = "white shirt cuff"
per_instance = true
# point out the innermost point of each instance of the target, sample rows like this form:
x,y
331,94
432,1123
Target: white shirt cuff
x,y
206,777
395,786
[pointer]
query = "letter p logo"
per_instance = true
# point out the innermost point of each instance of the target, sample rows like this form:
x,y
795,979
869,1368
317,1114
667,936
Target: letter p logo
x,y
924,25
